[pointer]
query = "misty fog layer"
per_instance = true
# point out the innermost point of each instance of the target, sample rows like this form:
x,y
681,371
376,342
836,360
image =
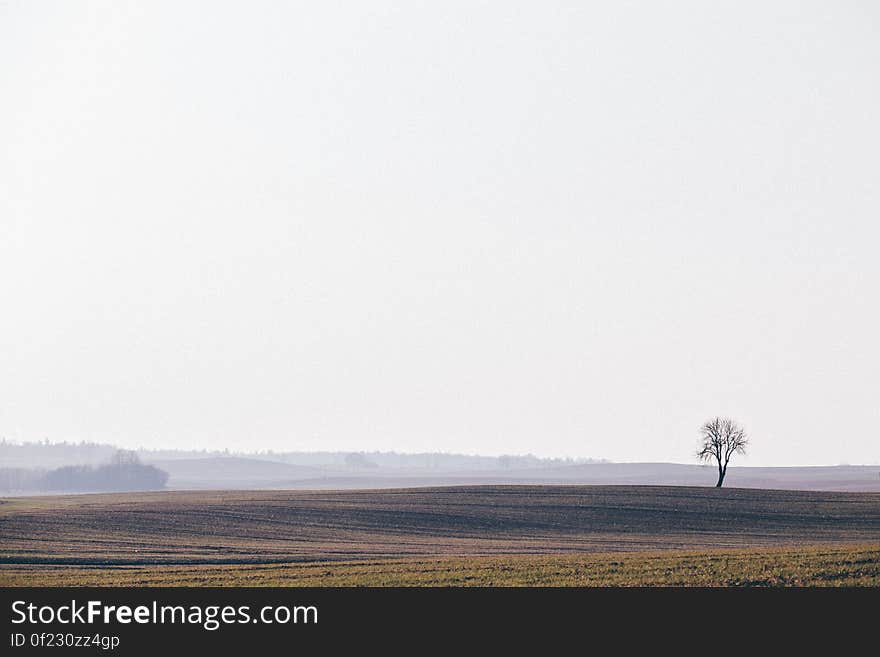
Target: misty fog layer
x,y
37,468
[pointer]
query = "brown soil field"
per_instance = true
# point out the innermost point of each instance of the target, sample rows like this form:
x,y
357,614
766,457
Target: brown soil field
x,y
49,536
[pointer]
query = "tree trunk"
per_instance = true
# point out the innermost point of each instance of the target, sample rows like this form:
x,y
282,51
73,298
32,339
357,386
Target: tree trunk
x,y
721,473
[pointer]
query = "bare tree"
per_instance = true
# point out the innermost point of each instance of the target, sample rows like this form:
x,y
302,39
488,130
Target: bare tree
x,y
721,438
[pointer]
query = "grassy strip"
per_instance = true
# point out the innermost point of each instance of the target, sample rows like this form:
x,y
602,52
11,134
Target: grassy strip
x,y
803,566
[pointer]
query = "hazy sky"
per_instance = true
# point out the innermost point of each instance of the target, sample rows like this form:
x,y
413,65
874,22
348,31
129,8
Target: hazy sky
x,y
565,228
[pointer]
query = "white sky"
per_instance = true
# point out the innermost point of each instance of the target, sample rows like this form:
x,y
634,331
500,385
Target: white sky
x,y
564,228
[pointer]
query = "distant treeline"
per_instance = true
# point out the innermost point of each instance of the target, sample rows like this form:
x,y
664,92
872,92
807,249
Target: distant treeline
x,y
48,455
417,461
45,455
124,473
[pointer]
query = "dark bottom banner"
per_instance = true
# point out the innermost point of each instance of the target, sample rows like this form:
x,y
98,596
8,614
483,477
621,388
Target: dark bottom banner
x,y
271,620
